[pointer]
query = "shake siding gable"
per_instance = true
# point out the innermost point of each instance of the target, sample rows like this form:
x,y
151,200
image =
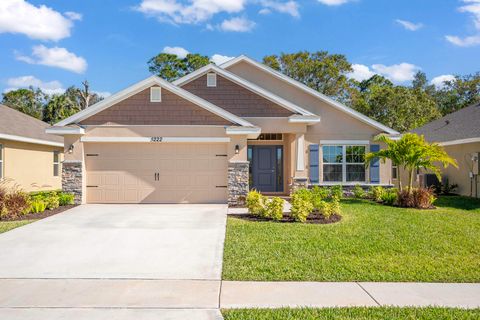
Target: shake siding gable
x,y
235,98
139,110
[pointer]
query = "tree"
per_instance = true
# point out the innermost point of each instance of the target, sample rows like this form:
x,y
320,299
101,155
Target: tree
x,y
457,94
401,108
83,97
29,101
413,152
170,67
319,70
59,107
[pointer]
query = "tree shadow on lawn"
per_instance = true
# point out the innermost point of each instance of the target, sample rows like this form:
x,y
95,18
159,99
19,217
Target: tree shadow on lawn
x,y
458,202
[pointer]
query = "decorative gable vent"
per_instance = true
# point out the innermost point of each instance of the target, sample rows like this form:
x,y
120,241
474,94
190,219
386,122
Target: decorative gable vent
x,y
155,94
211,79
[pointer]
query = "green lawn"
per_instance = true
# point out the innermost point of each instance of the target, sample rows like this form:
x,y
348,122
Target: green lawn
x,y
352,313
9,225
372,243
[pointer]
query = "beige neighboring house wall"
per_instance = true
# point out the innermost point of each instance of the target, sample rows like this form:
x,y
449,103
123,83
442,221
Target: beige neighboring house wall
x,y
30,166
28,152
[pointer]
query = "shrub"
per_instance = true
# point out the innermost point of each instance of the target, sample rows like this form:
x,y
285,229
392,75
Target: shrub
x,y
256,203
51,198
318,195
336,192
37,206
66,199
390,197
302,205
423,198
335,207
14,204
358,192
405,199
274,209
375,193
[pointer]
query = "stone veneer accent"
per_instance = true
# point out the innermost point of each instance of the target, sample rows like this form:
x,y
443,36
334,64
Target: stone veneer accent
x,y
237,182
299,183
72,179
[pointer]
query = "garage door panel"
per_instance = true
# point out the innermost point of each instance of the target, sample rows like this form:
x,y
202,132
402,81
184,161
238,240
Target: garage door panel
x,y
187,173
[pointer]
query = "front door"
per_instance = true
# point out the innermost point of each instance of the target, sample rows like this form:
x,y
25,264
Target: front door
x,y
266,168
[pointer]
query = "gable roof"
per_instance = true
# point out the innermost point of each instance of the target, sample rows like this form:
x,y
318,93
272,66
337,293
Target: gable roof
x,y
142,85
457,127
244,83
17,126
310,91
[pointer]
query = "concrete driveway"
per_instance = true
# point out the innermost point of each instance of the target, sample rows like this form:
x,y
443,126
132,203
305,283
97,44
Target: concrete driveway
x,y
181,242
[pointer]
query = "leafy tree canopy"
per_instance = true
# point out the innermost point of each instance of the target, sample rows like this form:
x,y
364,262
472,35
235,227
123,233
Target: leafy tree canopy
x,y
170,67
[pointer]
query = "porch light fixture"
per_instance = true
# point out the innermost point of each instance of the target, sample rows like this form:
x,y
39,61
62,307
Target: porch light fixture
x,y
237,149
70,149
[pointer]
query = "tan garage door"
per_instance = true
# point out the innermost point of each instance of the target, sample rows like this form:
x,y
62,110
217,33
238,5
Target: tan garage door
x,y
156,172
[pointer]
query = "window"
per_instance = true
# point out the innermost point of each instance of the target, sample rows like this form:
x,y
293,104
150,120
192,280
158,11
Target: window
x,y
343,163
56,163
1,162
269,137
155,94
394,171
211,79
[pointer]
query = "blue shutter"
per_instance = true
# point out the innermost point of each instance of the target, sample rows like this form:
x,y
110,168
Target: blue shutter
x,y
314,163
375,165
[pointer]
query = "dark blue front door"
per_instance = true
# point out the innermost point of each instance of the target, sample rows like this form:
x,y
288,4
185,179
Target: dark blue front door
x,y
266,165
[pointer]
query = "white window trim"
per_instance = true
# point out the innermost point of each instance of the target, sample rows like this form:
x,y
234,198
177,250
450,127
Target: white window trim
x,y
56,163
1,162
300,152
152,89
344,163
211,80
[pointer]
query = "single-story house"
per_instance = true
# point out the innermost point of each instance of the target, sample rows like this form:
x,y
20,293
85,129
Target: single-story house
x,y
29,157
214,134
459,134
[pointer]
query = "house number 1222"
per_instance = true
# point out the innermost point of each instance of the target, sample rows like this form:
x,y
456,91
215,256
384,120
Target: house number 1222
x,y
156,139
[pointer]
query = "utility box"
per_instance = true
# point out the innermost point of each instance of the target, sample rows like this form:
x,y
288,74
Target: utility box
x,y
475,163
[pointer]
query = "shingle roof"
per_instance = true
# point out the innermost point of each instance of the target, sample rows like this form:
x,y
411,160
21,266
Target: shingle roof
x,y
462,124
16,123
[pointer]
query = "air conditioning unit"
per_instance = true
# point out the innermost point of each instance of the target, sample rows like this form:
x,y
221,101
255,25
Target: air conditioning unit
x,y
430,180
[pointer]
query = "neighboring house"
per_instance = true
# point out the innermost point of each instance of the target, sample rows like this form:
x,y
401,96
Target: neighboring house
x,y
213,134
459,134
29,157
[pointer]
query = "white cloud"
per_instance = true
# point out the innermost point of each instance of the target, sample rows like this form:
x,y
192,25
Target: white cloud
x,y
193,11
218,59
55,57
464,42
74,16
472,7
237,24
288,7
42,22
51,87
408,25
397,72
334,2
439,81
178,51
360,72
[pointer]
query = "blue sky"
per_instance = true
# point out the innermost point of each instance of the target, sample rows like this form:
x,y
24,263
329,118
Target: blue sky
x,y
57,43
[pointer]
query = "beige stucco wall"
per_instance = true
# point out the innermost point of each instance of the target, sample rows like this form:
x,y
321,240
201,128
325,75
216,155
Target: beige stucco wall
x,y
30,166
334,124
462,153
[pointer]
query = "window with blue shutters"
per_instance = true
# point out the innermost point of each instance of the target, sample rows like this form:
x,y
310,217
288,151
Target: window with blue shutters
x,y
375,165
314,159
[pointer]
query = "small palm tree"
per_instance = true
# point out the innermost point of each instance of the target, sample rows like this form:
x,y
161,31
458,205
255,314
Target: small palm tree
x,y
412,153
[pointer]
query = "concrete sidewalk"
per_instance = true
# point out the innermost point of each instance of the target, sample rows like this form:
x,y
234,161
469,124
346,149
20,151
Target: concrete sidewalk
x,y
347,294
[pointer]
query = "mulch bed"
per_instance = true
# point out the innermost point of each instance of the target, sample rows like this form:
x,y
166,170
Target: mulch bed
x,y
314,218
42,215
